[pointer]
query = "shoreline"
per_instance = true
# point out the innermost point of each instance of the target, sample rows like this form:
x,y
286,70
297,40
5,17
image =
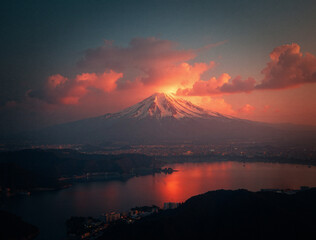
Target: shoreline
x,y
91,177
198,159
104,177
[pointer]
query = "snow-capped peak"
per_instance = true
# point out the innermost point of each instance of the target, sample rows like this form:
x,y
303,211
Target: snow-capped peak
x,y
162,105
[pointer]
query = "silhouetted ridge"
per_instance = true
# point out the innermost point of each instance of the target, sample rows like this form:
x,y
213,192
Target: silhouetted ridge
x,y
13,228
229,215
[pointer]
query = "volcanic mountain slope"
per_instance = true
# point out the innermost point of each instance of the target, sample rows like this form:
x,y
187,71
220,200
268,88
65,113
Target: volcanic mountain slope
x,y
162,105
160,118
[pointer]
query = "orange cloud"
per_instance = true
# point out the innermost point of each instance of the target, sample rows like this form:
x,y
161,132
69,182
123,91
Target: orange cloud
x,y
60,89
141,54
238,85
288,68
180,75
148,63
204,88
105,81
56,80
221,85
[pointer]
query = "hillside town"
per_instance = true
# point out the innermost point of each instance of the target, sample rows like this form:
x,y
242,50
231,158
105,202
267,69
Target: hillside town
x,y
92,228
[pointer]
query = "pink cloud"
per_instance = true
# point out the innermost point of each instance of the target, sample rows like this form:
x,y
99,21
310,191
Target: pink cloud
x,y
59,89
288,68
238,85
105,81
56,80
204,88
180,75
147,62
221,85
141,54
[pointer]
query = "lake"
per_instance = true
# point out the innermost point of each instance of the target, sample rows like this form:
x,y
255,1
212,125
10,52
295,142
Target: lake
x,y
49,210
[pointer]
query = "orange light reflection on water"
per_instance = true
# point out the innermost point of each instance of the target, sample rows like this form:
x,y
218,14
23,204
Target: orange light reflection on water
x,y
180,186
192,179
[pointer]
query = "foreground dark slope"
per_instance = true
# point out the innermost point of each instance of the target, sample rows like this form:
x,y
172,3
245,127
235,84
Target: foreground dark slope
x,y
229,215
13,227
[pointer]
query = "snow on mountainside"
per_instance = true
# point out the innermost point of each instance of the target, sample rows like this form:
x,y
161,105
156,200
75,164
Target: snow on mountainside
x,y
162,105
160,118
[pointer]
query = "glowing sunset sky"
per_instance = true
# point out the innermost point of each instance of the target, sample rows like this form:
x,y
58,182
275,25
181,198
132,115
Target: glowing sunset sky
x,y
67,60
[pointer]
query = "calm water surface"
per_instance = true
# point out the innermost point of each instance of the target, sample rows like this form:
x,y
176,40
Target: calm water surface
x,y
49,210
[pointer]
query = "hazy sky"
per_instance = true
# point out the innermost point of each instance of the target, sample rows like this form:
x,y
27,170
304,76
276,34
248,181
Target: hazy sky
x,y
67,60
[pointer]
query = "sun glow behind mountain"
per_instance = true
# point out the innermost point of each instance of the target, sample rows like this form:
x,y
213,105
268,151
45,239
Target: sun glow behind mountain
x,y
168,90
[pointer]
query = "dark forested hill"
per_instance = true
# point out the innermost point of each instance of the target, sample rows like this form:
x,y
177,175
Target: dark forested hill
x,y
229,215
13,228
29,169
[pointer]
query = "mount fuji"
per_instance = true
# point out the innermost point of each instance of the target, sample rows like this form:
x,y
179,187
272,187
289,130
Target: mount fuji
x,y
163,105
158,119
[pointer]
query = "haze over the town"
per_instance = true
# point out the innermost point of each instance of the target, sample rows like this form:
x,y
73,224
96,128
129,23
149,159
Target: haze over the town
x,y
71,60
